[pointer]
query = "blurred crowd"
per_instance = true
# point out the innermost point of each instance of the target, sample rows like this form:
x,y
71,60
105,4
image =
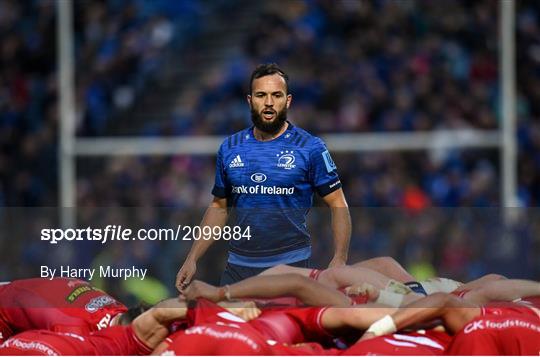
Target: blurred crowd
x,y
355,66
119,46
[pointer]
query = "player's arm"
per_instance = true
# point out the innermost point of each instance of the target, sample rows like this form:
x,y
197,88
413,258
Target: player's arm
x,y
344,276
338,277
341,226
152,326
454,312
306,290
325,179
503,290
215,215
387,266
481,281
336,320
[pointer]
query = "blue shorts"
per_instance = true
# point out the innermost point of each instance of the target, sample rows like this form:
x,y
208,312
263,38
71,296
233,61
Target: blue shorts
x,y
234,273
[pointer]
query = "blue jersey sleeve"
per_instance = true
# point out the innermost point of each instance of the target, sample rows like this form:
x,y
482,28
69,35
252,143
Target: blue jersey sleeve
x,y
323,171
221,187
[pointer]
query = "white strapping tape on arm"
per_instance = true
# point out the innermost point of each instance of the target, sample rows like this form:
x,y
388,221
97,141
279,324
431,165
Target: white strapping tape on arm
x,y
383,326
389,298
440,285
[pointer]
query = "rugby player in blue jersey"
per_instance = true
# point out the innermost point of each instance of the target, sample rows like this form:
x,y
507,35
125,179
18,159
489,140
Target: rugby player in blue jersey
x,y
266,176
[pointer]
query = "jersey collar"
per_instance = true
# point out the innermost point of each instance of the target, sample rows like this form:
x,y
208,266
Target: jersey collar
x,y
290,126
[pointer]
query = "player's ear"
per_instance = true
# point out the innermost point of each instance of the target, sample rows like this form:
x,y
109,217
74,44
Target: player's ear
x,y
289,100
248,97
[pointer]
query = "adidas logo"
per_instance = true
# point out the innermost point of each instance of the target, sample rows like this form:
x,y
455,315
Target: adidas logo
x,y
237,162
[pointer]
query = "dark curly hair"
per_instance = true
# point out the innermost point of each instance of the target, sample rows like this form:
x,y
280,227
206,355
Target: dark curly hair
x,y
131,314
267,69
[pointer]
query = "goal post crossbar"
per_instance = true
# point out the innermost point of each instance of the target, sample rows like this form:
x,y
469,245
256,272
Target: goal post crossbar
x,y
362,142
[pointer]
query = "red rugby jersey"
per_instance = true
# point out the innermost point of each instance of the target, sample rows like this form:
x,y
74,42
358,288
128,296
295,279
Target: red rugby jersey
x,y
114,341
429,343
506,334
60,304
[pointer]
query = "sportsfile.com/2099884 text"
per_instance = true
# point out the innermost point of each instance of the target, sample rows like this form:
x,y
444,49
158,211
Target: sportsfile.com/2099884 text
x,y
119,233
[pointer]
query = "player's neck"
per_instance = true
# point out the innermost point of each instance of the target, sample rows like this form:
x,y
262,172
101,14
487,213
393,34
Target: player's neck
x,y
263,136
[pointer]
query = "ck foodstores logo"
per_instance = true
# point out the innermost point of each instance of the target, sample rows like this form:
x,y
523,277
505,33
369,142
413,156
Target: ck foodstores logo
x,y
286,159
473,326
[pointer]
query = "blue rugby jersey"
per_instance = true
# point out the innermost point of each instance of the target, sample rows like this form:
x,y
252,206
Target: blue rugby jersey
x,y
269,186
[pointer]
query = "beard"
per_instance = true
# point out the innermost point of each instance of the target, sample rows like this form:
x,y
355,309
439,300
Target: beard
x,y
271,127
